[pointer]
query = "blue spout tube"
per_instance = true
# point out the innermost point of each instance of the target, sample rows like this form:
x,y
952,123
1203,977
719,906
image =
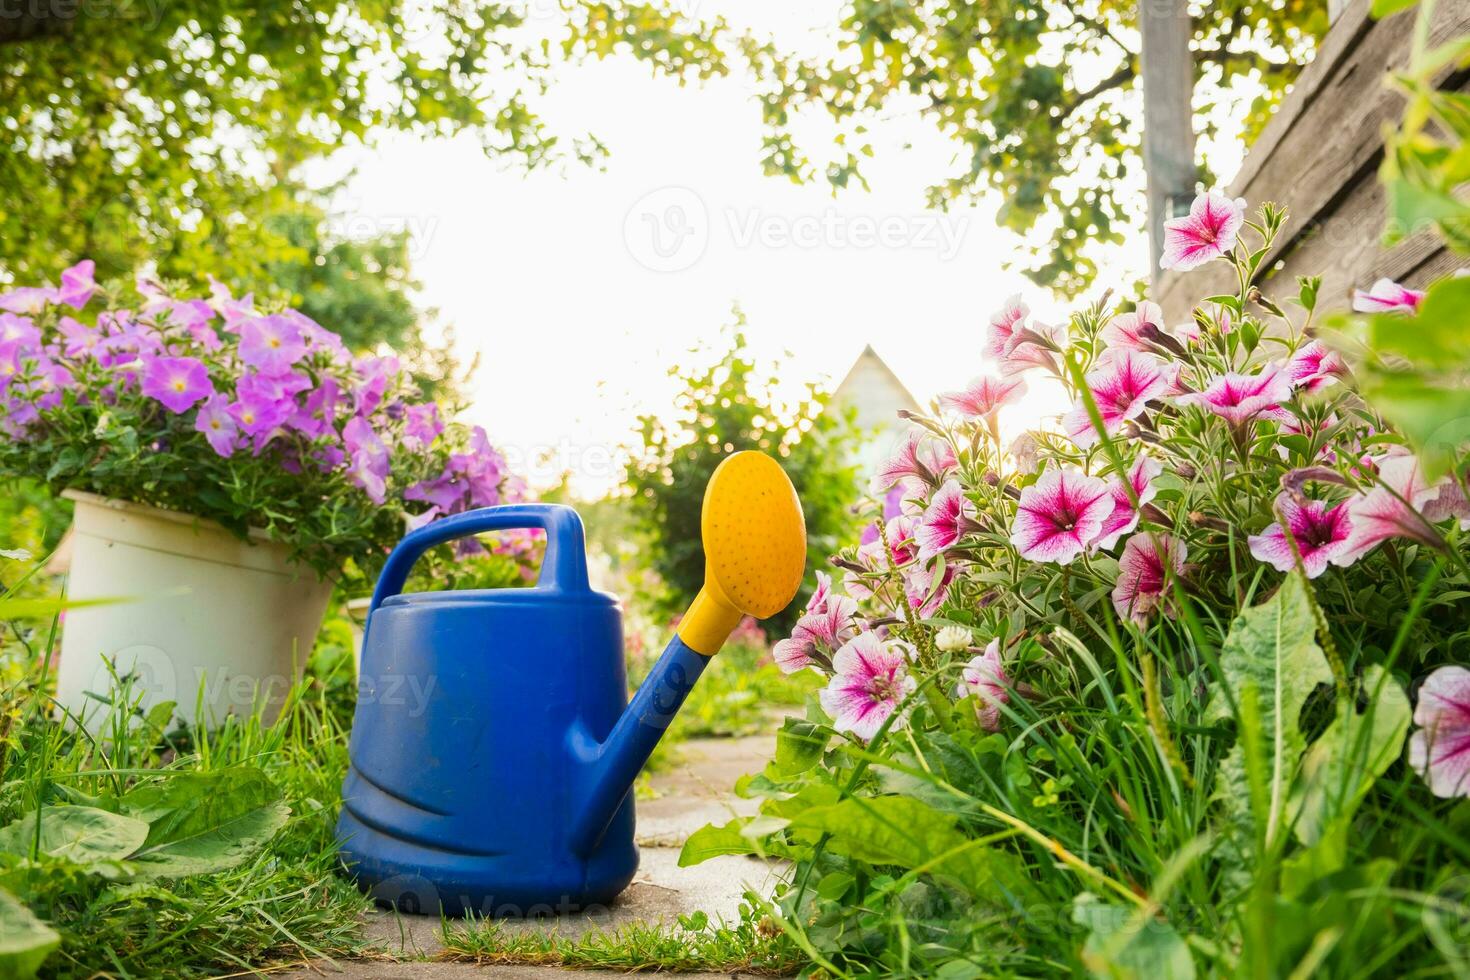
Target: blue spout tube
x,y
616,762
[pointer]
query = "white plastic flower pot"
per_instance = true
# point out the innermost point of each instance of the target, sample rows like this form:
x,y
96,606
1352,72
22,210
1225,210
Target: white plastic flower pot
x,y
216,624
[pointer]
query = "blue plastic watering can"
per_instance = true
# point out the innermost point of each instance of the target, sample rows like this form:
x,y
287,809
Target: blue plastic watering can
x,y
494,746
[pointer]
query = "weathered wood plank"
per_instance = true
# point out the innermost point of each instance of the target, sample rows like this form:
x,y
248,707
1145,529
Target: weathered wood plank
x,y
1319,157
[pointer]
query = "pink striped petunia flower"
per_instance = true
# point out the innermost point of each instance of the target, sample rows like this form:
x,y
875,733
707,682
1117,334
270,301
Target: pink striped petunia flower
x,y
816,635
1240,398
1322,532
1207,232
983,397
1124,517
1015,346
1314,366
1394,508
1440,749
870,680
949,516
918,458
1122,384
1145,568
986,680
1060,515
1004,323
1123,330
1387,296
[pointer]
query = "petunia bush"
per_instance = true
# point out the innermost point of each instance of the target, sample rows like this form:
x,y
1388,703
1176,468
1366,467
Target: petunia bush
x,y
249,417
1149,682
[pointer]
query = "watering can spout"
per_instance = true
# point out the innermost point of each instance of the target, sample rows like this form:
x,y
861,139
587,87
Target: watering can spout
x,y
755,554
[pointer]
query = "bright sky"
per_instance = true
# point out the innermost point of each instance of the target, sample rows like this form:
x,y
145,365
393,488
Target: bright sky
x,y
577,290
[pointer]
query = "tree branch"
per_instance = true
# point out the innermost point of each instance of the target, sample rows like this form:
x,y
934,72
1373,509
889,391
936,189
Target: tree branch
x,y
1117,79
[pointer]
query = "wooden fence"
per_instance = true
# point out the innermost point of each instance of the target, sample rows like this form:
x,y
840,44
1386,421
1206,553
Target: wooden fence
x,y
1319,157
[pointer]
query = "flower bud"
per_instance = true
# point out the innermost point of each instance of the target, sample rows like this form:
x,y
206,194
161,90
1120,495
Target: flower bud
x,y
952,639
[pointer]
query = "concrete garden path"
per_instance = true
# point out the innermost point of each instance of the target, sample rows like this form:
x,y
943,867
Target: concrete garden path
x,y
694,792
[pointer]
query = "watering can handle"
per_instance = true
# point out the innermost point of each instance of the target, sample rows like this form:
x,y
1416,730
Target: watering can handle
x,y
564,569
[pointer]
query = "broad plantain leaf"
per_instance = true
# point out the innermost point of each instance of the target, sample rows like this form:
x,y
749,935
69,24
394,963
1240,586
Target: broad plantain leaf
x,y
1271,656
1123,944
711,841
82,834
1350,755
25,941
205,821
902,831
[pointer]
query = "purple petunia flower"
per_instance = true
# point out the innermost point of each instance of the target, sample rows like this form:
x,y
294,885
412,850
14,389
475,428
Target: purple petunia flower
x,y
317,416
77,284
271,344
81,341
218,425
375,373
28,299
233,310
421,425
256,412
368,460
177,382
21,331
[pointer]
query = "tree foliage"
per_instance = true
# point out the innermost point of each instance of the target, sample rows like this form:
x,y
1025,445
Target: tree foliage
x,y
1040,97
165,131
728,404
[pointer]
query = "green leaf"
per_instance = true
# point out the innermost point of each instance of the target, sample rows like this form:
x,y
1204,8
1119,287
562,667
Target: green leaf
x,y
1387,8
1270,656
1342,765
799,746
205,821
1127,944
1413,208
25,941
711,841
1433,416
899,830
81,834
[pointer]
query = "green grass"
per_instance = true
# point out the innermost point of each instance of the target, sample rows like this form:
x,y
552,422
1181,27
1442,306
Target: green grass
x,y
753,946
286,901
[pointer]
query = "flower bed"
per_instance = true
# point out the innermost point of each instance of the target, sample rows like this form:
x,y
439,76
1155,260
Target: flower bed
x,y
1132,694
